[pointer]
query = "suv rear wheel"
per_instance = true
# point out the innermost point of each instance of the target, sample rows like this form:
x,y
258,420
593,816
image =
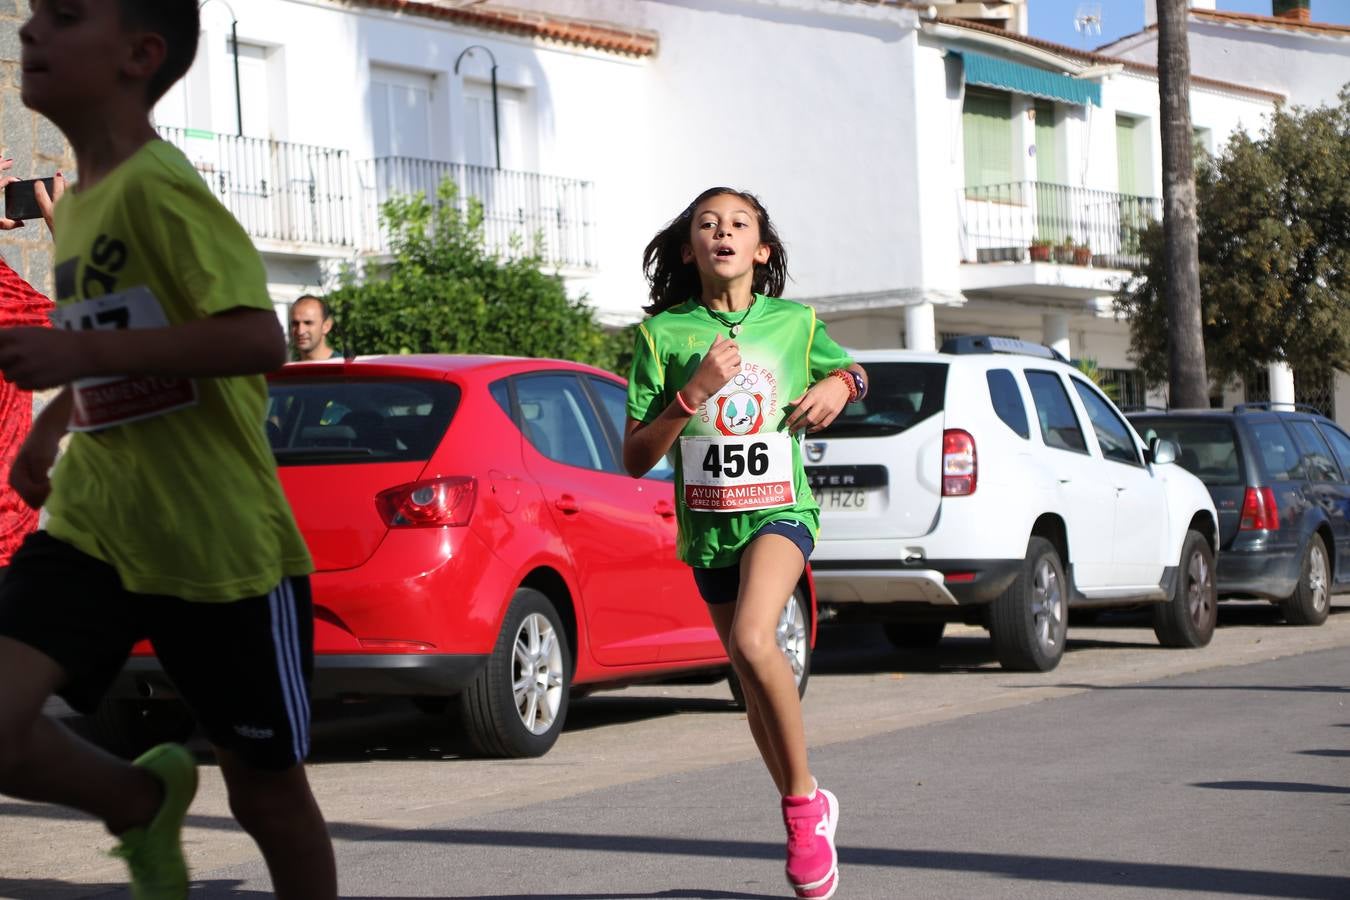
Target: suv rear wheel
x,y
1311,600
1188,619
517,704
1029,621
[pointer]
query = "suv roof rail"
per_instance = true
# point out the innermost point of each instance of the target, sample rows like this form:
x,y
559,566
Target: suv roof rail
x,y
1146,407
1276,406
988,343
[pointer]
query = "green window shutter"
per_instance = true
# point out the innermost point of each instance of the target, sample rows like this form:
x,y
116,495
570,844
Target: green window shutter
x,y
986,122
1127,170
1049,166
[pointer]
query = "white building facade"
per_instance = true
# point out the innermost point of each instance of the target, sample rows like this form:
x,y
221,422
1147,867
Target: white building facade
x,y
915,165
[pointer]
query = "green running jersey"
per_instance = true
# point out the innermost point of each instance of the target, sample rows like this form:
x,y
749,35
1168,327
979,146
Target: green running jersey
x,y
736,467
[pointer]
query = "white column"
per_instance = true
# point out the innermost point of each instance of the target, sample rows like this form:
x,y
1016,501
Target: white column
x,y
1281,383
1055,331
920,327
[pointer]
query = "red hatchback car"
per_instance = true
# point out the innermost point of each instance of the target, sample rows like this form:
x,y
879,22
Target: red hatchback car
x,y
475,538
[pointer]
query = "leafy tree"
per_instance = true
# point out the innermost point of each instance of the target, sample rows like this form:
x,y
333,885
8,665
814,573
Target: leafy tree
x,y
445,292
1274,241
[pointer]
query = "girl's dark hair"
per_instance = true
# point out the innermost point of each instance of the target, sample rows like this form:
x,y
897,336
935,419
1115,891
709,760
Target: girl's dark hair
x,y
674,281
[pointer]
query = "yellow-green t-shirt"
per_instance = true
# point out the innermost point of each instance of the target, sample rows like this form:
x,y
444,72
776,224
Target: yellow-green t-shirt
x,y
181,496
784,350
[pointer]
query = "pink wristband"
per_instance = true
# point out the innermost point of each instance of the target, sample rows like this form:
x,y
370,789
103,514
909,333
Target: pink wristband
x,y
688,410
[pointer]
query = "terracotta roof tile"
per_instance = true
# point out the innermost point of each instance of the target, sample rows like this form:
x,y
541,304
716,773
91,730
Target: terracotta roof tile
x,y
1270,21
597,35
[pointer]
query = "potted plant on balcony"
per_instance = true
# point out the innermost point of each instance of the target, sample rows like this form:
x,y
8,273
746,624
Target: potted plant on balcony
x,y
1040,250
1064,252
1082,254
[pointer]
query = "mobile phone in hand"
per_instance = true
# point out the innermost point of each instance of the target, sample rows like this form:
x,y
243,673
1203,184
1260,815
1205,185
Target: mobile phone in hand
x,y
21,198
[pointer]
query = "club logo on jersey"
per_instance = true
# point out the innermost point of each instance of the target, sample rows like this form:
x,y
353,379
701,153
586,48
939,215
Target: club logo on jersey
x,y
740,412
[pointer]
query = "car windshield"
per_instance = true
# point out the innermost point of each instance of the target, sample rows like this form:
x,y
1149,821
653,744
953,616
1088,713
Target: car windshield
x,y
899,395
330,420
1207,450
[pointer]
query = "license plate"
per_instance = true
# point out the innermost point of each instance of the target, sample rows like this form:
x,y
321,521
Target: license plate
x,y
843,500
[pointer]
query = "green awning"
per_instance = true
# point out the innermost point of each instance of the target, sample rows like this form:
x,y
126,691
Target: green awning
x,y
1006,75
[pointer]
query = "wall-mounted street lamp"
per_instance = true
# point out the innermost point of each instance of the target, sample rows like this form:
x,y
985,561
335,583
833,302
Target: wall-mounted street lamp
x,y
496,130
234,50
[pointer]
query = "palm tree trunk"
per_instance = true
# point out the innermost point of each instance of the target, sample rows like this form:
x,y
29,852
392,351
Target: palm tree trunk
x,y
1188,381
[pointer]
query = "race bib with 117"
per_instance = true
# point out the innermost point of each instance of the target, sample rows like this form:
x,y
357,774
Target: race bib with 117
x,y
106,401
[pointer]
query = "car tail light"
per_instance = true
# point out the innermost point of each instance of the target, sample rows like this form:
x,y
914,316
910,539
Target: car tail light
x,y
425,504
1259,512
958,463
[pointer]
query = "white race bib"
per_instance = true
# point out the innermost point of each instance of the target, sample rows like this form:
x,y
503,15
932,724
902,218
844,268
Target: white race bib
x,y
737,473
117,399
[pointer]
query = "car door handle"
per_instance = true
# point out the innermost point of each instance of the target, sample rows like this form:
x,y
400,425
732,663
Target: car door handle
x,y
664,508
1066,481
567,503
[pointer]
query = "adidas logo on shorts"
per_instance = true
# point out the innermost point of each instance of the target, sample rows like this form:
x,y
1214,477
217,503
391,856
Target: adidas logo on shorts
x,y
253,733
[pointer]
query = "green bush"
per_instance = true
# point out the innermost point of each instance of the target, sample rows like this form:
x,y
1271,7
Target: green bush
x,y
445,291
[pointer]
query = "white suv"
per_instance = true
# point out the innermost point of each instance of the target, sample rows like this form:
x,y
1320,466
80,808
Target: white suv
x,y
992,483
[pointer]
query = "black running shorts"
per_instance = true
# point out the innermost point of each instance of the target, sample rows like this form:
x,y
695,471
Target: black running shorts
x,y
242,667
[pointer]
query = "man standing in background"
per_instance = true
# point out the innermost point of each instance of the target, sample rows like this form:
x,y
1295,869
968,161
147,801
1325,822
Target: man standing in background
x,y
311,322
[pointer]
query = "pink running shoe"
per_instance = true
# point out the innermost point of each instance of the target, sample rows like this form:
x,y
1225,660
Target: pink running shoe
x,y
812,861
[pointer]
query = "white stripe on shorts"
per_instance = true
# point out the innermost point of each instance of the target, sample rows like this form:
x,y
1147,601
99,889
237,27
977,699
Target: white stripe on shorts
x,y
282,606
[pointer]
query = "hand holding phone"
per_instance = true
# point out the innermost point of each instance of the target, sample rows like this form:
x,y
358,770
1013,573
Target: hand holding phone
x,y
21,198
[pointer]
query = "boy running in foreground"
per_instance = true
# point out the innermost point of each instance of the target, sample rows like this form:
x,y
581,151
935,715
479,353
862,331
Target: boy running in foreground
x,y
166,518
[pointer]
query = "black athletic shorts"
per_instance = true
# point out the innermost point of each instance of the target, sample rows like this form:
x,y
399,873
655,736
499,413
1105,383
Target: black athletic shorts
x,y
242,667
723,584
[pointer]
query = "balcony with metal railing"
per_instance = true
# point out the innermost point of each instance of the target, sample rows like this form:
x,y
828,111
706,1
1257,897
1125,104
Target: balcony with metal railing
x,y
281,192
317,201
1075,242
522,211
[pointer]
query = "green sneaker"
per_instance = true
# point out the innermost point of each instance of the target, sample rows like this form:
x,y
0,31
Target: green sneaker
x,y
154,853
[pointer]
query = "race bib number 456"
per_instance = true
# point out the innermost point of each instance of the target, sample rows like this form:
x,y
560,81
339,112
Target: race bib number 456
x,y
115,400
737,473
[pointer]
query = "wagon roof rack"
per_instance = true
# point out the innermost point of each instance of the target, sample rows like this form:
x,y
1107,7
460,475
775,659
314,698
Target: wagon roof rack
x,y
1276,406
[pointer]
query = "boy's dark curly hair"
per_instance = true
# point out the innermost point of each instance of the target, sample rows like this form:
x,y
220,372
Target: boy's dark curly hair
x,y
674,281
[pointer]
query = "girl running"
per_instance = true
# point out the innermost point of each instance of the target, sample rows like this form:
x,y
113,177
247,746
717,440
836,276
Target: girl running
x,y
728,375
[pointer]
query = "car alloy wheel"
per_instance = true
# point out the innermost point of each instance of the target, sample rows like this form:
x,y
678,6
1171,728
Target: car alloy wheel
x,y
1029,620
793,638
1189,616
517,703
1317,578
1047,607
1199,589
1311,601
538,684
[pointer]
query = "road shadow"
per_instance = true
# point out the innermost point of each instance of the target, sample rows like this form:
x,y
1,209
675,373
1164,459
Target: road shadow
x,y
230,889
863,649
1279,787
1334,754
1087,872
1240,688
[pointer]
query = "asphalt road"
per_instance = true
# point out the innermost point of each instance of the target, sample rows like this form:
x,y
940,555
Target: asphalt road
x,y
1130,771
